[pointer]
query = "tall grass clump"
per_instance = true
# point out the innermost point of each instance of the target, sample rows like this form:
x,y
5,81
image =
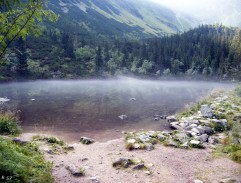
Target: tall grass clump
x,y
9,124
23,164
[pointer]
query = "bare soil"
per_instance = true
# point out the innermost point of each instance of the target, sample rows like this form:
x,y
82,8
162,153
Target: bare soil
x,y
166,164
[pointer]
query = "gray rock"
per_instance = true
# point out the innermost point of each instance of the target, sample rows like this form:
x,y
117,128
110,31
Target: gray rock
x,y
206,111
172,143
182,137
145,137
195,130
184,145
149,147
156,115
137,146
123,116
156,119
132,99
175,127
74,170
195,142
183,125
166,133
171,118
190,122
228,180
198,181
49,151
124,162
86,140
202,138
69,148
20,141
208,130
205,122
161,137
212,140
131,141
138,166
200,129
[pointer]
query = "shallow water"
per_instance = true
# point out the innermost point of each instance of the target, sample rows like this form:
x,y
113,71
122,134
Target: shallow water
x,y
70,109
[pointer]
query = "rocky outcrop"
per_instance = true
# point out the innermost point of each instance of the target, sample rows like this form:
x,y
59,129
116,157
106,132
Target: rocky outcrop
x,y
86,140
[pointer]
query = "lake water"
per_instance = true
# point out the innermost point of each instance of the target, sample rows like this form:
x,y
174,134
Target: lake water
x,y
70,109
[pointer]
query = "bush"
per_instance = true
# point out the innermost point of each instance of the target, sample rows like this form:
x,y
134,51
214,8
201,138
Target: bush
x,y
23,164
8,124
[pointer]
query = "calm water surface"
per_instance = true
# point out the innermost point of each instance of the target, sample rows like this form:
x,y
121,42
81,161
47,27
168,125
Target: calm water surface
x,y
70,109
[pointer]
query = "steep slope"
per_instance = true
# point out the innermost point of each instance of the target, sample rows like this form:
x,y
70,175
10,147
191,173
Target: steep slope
x,y
125,17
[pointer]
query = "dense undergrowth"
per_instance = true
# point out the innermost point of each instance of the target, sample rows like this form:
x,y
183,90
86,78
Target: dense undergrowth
x,y
20,163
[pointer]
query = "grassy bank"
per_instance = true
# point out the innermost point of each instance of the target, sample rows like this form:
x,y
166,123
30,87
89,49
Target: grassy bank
x,y
20,162
229,109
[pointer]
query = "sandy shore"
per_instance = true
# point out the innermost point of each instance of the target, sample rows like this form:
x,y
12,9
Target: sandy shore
x,y
166,164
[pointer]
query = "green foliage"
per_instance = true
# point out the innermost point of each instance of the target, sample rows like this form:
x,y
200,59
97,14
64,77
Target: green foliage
x,y
19,19
8,124
51,140
23,163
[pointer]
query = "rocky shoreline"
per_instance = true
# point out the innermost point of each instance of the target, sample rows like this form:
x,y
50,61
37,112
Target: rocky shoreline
x,y
150,156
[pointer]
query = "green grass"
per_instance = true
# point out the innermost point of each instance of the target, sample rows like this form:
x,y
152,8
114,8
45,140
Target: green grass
x,y
9,124
23,164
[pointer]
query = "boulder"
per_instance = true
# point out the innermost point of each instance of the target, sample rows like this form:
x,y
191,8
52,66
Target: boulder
x,y
202,138
122,117
171,118
206,111
200,129
175,126
75,171
86,140
208,130
149,147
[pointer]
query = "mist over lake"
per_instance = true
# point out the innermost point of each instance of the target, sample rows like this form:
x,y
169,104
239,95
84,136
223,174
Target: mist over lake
x,y
71,109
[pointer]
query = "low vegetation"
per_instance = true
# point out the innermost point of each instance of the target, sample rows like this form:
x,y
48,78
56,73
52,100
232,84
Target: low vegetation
x,y
9,124
23,163
20,162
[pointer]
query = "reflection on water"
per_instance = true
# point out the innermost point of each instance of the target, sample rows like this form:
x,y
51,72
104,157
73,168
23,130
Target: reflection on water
x,y
75,108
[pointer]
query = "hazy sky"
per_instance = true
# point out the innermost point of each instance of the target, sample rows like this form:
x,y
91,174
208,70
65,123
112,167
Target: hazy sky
x,y
221,11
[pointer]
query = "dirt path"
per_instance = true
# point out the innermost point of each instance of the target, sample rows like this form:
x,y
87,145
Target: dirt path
x,y
166,164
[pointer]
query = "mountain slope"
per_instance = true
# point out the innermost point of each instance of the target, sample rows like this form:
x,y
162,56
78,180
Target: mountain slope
x,y
125,17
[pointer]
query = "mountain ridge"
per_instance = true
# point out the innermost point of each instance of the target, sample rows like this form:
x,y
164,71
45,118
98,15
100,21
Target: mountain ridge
x,y
129,18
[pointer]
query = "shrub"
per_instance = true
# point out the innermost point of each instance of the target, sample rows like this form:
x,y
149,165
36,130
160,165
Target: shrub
x,y
8,124
23,163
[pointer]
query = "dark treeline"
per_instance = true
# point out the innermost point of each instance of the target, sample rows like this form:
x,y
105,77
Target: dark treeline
x,y
207,51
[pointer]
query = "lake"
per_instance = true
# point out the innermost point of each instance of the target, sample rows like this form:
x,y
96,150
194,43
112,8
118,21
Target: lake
x,y
70,109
